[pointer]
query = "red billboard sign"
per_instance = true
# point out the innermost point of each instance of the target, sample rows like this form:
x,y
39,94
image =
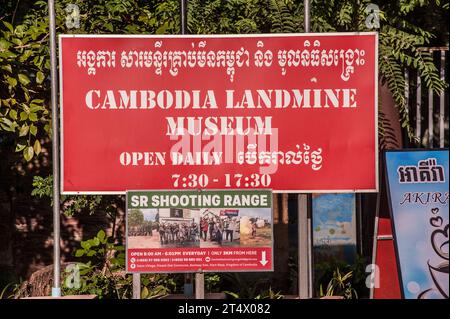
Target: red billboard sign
x,y
294,112
200,238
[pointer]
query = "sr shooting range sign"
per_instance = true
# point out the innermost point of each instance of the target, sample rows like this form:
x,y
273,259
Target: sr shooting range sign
x,y
291,112
199,231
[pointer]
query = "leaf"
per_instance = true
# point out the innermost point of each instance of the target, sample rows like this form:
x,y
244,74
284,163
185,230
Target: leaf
x,y
24,79
6,54
85,245
7,67
34,107
28,153
33,129
16,41
4,45
33,117
162,29
23,116
11,81
232,294
37,147
144,293
9,26
20,146
13,114
24,130
121,257
39,77
7,125
25,55
109,26
101,234
95,241
79,253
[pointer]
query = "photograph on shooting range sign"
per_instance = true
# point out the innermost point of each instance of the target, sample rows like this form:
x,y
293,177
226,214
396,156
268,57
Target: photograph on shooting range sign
x,y
178,231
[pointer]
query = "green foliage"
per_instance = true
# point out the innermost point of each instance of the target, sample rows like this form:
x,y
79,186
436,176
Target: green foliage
x,y
135,217
71,204
23,87
249,286
102,273
42,187
399,49
270,294
123,16
266,294
281,18
340,285
105,286
157,285
98,247
340,278
399,38
74,204
399,42
8,291
212,282
25,61
238,16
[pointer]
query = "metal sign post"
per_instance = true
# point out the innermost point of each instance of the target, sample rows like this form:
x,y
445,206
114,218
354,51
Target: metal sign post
x,y
307,17
136,286
183,15
199,277
304,221
199,285
56,289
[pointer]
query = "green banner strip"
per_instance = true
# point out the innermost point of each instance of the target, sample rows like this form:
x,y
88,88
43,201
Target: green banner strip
x,y
199,199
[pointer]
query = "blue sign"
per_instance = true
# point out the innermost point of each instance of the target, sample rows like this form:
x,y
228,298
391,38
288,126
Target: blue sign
x,y
419,197
334,227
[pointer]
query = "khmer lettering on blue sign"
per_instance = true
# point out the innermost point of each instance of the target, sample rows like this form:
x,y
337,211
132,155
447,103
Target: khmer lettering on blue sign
x,y
419,197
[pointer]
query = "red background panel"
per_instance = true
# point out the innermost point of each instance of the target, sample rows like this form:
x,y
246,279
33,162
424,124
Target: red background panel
x,y
93,140
387,263
384,226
